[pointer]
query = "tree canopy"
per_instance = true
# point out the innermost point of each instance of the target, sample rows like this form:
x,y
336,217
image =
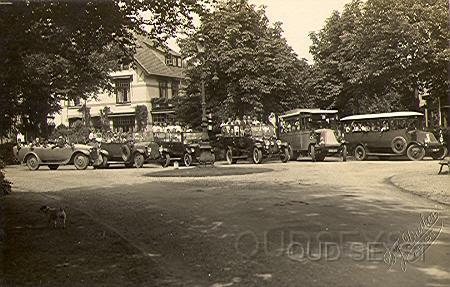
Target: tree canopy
x,y
377,55
258,72
59,50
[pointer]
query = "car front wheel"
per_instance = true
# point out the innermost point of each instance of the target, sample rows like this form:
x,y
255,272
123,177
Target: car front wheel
x,y
81,161
187,159
415,152
360,153
257,155
32,162
165,160
139,160
441,154
285,155
344,154
229,157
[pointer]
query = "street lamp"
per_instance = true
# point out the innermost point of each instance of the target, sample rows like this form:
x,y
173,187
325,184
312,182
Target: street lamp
x,y
206,152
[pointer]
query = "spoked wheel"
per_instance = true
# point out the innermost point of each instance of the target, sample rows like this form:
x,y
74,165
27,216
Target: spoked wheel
x,y
344,153
284,155
257,155
187,159
53,166
441,154
360,153
139,160
229,156
415,152
165,160
399,145
32,162
81,161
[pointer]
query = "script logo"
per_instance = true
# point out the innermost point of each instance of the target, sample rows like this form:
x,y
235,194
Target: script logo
x,y
411,245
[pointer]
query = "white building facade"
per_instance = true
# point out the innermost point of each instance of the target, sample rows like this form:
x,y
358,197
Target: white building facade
x,y
153,81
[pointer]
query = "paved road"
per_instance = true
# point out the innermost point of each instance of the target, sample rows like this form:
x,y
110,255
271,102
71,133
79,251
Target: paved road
x,y
302,224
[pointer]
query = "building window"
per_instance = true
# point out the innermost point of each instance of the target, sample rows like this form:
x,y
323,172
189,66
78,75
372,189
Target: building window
x,y
163,90
75,102
123,94
169,60
175,88
124,124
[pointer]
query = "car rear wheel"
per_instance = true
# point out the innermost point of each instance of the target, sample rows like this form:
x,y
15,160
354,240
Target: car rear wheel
x,y
441,154
399,145
344,153
126,153
81,161
415,152
257,155
32,162
53,166
229,156
312,153
284,155
165,160
360,153
139,160
187,159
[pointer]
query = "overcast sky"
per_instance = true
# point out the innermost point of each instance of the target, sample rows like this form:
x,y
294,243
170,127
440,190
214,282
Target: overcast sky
x,y
299,17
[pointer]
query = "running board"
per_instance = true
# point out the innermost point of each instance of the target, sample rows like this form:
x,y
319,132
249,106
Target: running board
x,y
383,154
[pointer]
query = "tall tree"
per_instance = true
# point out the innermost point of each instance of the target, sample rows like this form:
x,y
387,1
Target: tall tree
x,y
59,50
378,55
258,71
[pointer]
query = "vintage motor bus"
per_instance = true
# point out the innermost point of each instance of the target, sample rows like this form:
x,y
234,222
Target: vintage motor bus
x,y
312,132
390,134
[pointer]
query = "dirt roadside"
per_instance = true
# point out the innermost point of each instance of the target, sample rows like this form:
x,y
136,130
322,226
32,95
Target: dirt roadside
x,y
84,254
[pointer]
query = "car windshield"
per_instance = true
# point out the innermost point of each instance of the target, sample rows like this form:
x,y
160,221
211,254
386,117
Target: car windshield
x,y
192,137
263,131
322,121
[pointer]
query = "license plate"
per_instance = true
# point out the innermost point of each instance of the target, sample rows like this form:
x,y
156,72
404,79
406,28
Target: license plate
x,y
332,150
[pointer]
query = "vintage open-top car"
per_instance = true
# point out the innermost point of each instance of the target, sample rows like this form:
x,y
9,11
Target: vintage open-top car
x,y
391,134
54,155
130,153
179,146
255,142
312,132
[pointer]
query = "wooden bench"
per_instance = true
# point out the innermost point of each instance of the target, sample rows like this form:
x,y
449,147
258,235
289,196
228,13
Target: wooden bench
x,y
445,162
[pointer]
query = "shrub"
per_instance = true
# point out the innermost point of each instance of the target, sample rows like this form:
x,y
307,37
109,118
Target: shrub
x,y
6,153
5,185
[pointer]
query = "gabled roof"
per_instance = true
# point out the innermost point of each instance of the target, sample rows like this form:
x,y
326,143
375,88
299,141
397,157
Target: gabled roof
x,y
152,59
297,112
381,116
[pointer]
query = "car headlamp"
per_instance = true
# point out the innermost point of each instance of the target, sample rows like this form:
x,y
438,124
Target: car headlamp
x,y
192,149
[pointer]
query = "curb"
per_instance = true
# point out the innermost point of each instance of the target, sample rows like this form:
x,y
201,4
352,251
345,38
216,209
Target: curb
x,y
409,191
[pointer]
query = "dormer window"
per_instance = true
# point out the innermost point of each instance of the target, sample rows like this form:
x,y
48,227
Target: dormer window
x,y
175,61
169,60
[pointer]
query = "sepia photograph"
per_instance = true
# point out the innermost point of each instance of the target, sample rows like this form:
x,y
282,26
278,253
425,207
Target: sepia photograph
x,y
218,143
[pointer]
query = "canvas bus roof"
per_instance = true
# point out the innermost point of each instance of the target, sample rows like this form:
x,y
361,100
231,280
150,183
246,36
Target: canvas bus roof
x,y
296,112
381,116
